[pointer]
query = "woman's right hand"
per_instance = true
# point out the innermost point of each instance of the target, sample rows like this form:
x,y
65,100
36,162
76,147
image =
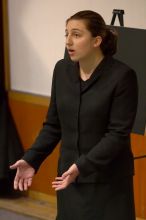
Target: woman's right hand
x,y
24,175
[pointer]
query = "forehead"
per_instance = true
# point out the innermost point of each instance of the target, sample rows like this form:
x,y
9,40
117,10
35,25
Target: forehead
x,y
76,25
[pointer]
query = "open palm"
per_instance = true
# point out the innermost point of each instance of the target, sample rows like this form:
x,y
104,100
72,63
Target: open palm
x,y
24,175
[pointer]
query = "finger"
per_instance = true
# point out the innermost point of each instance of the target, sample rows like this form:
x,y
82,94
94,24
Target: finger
x,y
29,182
56,183
56,187
14,166
61,187
25,184
16,182
58,178
21,188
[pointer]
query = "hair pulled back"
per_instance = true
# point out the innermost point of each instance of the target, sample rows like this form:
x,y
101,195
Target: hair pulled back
x,y
97,26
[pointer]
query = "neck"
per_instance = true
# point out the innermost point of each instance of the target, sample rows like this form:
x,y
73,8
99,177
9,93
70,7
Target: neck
x,y
88,66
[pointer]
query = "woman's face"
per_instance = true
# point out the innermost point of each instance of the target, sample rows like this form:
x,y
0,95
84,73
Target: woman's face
x,y
79,41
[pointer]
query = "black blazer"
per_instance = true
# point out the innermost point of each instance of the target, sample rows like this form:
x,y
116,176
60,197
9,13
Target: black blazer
x,y
93,125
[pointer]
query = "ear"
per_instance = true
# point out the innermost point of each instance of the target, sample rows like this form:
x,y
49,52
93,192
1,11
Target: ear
x,y
98,41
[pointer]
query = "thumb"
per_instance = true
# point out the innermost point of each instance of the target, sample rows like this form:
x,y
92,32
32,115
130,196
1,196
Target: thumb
x,y
15,165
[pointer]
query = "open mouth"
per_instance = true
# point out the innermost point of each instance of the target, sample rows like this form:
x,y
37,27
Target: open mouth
x,y
70,51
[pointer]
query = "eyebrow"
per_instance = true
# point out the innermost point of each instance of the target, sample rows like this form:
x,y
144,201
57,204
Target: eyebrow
x,y
74,29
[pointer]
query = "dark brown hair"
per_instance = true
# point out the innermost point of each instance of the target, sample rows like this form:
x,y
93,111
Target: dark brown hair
x,y
97,26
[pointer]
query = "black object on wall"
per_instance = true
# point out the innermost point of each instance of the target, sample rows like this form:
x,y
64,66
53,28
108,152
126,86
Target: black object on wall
x,y
132,50
120,14
10,143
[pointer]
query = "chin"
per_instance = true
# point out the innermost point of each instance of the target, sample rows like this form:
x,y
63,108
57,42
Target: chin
x,y
75,59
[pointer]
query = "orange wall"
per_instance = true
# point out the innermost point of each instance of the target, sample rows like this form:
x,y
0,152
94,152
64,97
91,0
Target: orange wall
x,y
29,118
139,148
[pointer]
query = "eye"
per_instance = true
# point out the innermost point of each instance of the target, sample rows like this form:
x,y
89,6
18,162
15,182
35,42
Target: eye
x,y
76,35
66,34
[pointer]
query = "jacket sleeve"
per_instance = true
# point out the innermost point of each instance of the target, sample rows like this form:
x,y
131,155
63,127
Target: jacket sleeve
x,y
121,119
49,135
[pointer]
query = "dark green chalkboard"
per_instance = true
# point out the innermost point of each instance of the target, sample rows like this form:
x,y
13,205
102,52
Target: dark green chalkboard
x,y
132,50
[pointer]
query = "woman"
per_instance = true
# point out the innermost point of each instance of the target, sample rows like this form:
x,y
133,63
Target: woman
x,y
92,110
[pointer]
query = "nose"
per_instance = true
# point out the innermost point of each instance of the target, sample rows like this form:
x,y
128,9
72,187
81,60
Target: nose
x,y
69,40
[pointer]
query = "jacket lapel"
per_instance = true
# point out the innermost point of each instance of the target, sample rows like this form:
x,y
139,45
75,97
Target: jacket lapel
x,y
73,71
100,70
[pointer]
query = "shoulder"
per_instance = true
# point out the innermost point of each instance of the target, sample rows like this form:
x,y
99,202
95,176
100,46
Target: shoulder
x,y
119,65
59,68
121,69
66,69
61,64
125,77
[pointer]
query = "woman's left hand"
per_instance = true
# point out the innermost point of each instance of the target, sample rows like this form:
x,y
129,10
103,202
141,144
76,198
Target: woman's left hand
x,y
67,177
